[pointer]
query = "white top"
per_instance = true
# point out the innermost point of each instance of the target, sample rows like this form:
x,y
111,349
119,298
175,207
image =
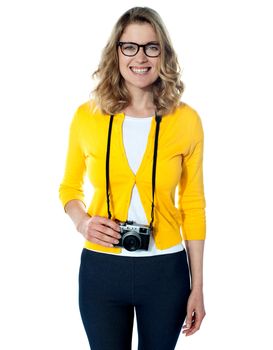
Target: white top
x,y
135,135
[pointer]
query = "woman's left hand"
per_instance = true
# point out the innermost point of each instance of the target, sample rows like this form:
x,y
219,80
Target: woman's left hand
x,y
195,312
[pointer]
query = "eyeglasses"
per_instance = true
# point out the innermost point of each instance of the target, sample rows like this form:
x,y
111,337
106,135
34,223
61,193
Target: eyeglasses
x,y
131,49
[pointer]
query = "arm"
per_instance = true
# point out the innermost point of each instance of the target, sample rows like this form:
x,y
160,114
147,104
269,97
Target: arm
x,y
195,250
191,198
77,212
72,183
95,229
195,307
192,207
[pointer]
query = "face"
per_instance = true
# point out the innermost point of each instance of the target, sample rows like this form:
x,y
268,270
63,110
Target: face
x,y
139,71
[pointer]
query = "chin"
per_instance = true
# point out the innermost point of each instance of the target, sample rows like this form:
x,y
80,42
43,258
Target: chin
x,y
141,84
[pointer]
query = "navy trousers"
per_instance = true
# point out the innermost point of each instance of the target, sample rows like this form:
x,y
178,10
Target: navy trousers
x,y
111,287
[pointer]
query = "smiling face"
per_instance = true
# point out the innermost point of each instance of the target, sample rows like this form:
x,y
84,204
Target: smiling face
x,y
139,71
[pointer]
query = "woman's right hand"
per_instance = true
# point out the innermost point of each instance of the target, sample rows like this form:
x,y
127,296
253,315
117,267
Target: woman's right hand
x,y
99,230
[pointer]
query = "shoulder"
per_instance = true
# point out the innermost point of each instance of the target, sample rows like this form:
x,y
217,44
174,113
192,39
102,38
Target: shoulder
x,y
87,111
88,108
185,116
186,112
185,120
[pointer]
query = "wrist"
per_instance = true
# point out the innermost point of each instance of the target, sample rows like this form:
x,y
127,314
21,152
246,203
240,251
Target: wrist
x,y
81,222
198,288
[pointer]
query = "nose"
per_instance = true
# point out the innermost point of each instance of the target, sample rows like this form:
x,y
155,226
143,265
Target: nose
x,y
140,56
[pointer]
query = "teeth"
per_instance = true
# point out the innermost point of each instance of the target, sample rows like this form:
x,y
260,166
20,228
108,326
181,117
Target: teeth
x,y
140,70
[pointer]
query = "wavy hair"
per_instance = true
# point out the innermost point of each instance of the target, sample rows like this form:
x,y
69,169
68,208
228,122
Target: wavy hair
x,y
111,94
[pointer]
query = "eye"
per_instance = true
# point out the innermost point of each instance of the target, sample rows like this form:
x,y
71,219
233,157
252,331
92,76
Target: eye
x,y
129,47
152,47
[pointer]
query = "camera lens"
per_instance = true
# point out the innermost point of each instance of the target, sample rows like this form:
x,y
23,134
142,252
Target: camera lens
x,y
131,242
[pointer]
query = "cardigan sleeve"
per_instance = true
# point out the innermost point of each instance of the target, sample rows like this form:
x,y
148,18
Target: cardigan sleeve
x,y
72,183
191,198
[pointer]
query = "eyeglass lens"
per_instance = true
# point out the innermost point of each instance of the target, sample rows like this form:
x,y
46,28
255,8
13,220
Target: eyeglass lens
x,y
131,49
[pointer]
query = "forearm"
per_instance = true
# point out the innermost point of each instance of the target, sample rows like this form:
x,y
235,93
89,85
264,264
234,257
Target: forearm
x,y
195,250
76,210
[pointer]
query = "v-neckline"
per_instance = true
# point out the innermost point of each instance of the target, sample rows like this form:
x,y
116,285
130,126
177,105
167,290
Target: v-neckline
x,y
147,148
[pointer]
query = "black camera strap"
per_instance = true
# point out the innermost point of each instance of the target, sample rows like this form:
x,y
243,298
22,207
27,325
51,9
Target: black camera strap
x,y
158,120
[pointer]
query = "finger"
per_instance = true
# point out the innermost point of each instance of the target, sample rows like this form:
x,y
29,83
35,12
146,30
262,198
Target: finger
x,y
187,327
100,238
104,233
189,319
107,222
191,331
99,229
195,325
190,322
198,320
107,239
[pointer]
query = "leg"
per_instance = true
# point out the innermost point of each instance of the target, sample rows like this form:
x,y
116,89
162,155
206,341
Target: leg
x,y
161,294
107,316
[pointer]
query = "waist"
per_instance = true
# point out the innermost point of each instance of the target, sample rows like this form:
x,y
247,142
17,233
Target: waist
x,y
152,250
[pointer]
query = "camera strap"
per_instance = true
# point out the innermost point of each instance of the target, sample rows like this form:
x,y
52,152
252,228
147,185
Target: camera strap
x,y
158,120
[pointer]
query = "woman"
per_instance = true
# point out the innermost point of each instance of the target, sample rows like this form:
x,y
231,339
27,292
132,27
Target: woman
x,y
138,142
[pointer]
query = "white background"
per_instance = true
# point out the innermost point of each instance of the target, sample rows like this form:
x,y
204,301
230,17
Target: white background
x,y
49,50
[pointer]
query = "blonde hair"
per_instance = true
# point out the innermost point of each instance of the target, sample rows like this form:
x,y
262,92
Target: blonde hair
x,y
111,94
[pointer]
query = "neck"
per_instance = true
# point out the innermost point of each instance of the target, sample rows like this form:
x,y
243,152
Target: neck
x,y
141,102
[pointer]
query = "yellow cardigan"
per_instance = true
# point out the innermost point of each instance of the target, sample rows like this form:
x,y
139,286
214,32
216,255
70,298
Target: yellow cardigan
x,y
179,163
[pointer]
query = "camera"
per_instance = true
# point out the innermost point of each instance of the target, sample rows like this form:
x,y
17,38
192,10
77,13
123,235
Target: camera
x,y
134,236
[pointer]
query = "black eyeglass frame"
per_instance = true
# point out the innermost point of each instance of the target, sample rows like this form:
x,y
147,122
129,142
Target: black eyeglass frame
x,y
120,43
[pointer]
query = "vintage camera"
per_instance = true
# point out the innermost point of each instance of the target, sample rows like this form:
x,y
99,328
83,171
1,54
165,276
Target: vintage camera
x,y
134,236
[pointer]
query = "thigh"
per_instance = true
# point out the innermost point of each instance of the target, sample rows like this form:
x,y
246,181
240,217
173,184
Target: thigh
x,y
107,316
161,301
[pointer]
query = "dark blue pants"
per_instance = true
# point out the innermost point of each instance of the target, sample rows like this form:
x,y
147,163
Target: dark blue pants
x,y
111,286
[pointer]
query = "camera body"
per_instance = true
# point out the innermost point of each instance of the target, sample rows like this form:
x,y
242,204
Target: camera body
x,y
134,236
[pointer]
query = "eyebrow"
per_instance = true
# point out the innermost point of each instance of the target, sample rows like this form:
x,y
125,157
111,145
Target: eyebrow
x,y
132,42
